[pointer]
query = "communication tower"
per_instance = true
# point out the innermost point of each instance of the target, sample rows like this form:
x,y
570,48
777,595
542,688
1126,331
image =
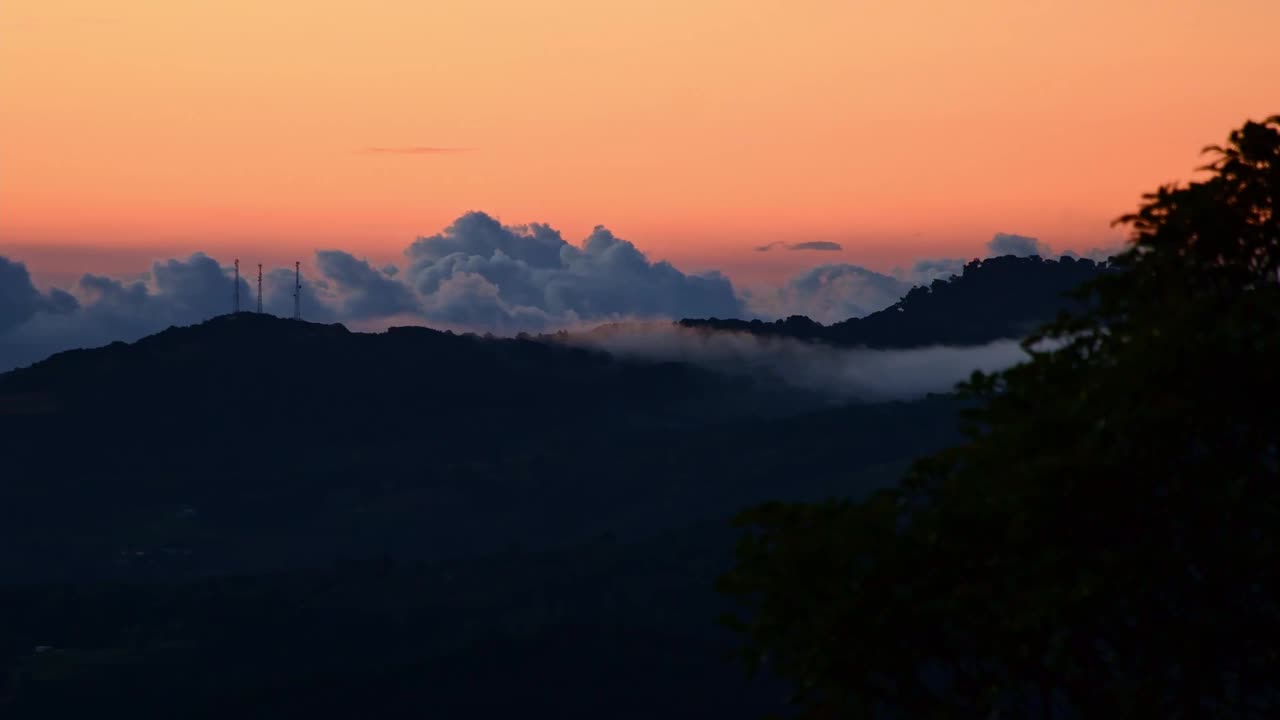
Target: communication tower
x,y
297,291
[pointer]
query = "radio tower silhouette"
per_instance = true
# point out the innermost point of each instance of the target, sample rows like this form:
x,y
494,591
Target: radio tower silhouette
x,y
297,291
235,293
259,288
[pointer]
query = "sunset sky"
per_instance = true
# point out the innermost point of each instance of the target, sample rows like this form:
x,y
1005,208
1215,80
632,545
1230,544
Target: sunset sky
x,y
697,129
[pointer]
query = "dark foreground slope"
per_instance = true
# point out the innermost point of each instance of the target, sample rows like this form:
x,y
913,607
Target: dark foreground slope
x,y
992,299
263,518
251,443
599,630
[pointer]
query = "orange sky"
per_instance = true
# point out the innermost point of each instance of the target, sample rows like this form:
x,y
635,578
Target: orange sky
x,y
695,128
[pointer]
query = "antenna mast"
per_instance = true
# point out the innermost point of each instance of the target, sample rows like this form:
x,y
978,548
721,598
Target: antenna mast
x,y
259,288
235,294
297,291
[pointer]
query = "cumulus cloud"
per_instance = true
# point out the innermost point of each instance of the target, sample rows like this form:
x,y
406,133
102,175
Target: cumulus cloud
x,y
528,277
477,274
1021,245
20,300
924,272
839,373
318,301
829,293
822,245
104,309
365,291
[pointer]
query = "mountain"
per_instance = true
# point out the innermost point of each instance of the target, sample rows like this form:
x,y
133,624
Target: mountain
x,y
992,299
253,443
268,374
265,518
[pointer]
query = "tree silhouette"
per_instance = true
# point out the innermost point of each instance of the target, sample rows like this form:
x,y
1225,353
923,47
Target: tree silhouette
x,y
1107,541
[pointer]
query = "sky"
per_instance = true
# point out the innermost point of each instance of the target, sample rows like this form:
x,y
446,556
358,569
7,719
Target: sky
x,y
696,129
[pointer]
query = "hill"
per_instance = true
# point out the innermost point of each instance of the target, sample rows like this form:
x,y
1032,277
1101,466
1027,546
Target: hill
x,y
992,299
256,517
250,442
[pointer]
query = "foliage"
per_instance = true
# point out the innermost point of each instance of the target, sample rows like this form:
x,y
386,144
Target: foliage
x,y
1107,541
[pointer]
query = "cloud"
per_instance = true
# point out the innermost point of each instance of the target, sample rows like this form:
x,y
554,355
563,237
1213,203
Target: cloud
x,y
365,291
20,300
822,245
816,245
104,309
527,276
469,300
415,150
476,274
829,293
1021,245
839,373
317,300
924,272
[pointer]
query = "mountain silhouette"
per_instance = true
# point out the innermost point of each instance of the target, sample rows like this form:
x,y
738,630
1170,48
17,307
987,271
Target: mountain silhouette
x,y
281,377
260,517
253,442
992,299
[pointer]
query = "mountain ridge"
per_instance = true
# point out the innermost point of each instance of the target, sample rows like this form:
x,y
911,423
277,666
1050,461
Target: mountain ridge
x,y
991,299
227,518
